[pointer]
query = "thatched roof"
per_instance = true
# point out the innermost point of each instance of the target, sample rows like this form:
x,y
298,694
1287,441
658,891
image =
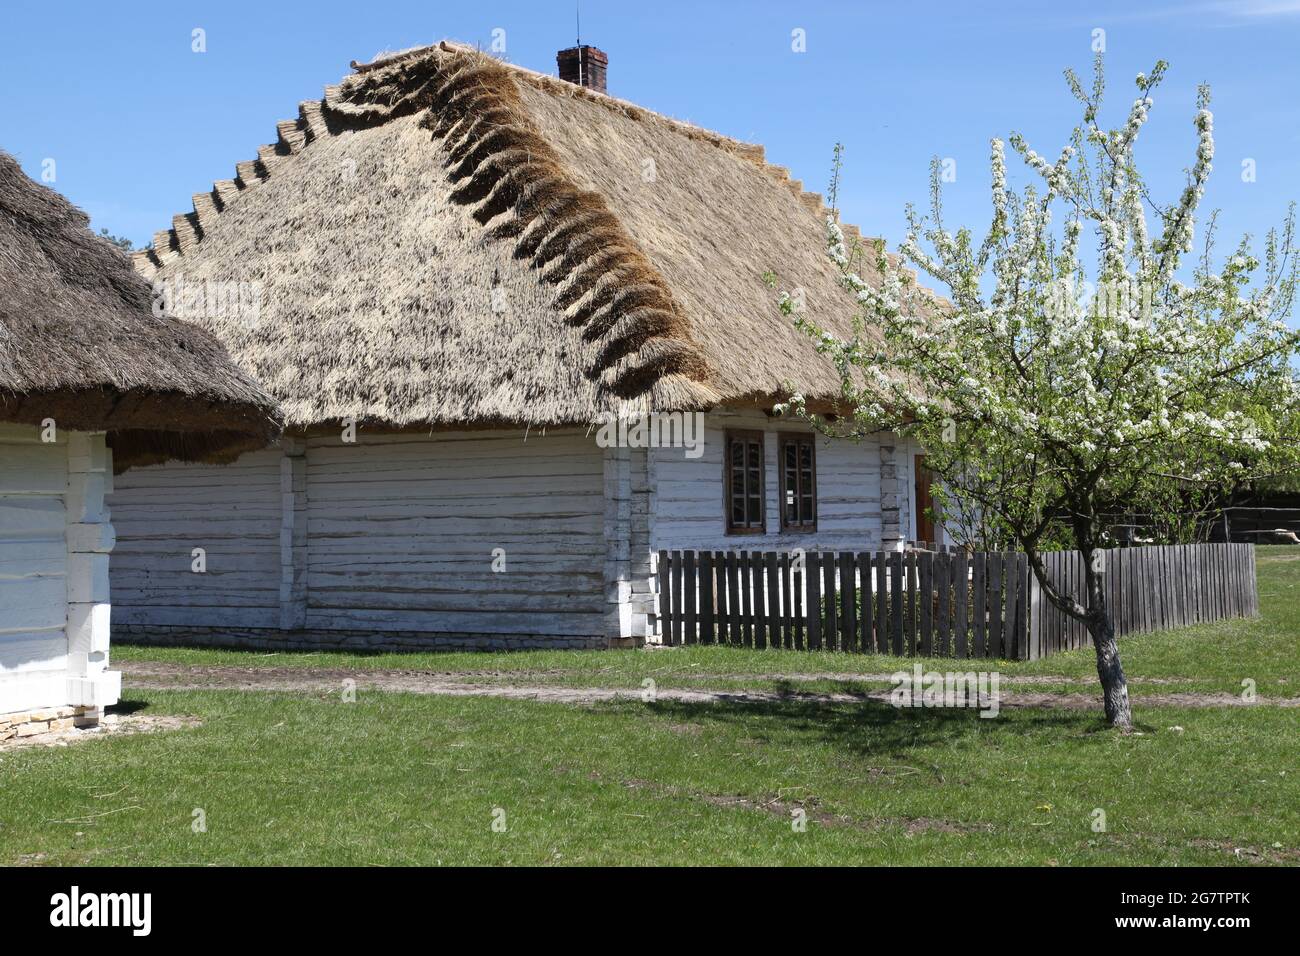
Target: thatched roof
x,y
80,344
444,239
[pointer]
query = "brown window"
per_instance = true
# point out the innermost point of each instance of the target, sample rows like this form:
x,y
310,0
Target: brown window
x,y
743,482
798,465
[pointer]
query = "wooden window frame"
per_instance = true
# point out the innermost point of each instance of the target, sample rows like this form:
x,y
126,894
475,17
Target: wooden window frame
x,y
783,439
744,435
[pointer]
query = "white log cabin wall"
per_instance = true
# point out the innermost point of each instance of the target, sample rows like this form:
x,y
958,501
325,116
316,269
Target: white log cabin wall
x,y
394,534
55,540
232,512
402,531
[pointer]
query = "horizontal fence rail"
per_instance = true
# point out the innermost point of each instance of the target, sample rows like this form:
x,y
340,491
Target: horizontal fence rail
x,y
957,604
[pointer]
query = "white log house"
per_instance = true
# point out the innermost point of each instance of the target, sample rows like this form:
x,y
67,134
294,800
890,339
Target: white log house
x,y
465,268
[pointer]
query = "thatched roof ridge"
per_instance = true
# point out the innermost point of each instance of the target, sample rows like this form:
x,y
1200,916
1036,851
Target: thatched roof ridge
x,y
632,297
79,343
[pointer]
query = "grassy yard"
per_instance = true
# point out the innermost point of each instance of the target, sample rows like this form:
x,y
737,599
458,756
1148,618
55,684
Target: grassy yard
x,y
406,779
398,778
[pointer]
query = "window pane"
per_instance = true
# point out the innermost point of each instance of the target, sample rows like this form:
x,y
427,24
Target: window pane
x,y
744,482
738,487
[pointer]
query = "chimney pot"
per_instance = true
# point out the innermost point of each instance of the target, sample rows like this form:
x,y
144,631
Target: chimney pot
x,y
584,66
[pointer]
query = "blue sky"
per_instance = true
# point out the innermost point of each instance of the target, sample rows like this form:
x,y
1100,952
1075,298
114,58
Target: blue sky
x,y
136,122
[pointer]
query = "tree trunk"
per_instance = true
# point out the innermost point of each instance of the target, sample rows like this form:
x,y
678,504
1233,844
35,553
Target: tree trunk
x,y
1094,614
1114,686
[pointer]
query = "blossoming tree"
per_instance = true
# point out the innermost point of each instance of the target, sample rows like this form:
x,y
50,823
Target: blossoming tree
x,y
1051,390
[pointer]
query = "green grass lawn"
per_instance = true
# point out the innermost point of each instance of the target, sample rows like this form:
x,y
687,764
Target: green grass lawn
x,y
407,779
400,778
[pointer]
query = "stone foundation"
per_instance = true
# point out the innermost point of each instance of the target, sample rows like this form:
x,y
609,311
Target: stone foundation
x,y
30,723
165,635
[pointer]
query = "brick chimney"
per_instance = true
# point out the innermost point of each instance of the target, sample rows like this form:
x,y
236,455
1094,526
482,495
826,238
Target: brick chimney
x,y
583,65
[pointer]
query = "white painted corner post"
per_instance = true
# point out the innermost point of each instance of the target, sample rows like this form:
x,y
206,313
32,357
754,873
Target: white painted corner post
x,y
89,538
293,533
895,508
641,557
622,625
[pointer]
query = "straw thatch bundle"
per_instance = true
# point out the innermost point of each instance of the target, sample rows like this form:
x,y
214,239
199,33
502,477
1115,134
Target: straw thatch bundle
x,y
446,239
79,344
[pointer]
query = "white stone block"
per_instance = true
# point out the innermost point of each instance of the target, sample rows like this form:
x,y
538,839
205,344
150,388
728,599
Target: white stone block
x,y
88,629
97,537
87,453
102,690
88,578
85,498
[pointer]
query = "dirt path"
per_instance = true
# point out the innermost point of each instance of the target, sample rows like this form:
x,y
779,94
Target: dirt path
x,y
152,674
111,725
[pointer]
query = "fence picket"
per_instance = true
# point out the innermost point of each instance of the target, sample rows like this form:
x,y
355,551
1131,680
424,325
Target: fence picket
x,y
733,600
663,580
689,596
925,581
943,613
960,599
1022,607
787,602
979,604
848,603
995,605
813,585
706,597
746,599
775,614
896,601
882,603
829,615
866,610
797,591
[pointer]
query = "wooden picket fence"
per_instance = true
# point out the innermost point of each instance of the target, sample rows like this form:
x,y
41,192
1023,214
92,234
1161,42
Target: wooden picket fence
x,y
954,604
1148,589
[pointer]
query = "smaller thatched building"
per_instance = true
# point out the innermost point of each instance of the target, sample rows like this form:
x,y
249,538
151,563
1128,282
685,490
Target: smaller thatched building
x,y
91,383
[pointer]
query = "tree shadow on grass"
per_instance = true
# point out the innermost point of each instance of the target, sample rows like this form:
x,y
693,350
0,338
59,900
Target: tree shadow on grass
x,y
875,728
